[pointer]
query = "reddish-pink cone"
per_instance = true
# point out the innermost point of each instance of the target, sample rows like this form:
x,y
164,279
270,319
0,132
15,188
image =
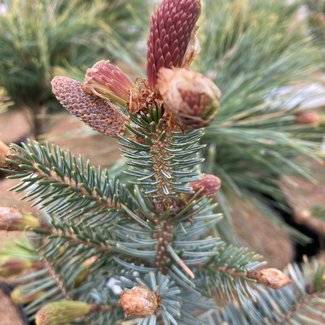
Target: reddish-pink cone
x,y
96,112
107,81
208,184
171,31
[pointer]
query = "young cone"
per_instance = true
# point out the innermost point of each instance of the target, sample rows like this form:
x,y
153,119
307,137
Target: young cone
x,y
62,312
14,266
96,112
107,81
171,31
20,297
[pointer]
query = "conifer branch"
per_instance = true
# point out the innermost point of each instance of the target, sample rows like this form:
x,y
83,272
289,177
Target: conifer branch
x,y
304,303
72,237
156,158
57,278
228,268
62,183
300,302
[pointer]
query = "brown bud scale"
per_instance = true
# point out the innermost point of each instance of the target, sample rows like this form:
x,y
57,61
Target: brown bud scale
x,y
270,277
209,184
139,302
4,152
192,99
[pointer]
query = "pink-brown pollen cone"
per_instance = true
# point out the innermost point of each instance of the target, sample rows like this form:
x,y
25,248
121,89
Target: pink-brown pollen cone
x,y
171,30
96,112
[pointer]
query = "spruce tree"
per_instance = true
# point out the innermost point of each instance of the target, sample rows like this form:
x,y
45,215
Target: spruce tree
x,y
153,238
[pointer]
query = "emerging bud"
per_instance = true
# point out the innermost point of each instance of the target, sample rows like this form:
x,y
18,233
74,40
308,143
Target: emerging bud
x,y
4,151
62,312
193,99
20,297
171,30
107,81
308,117
139,302
96,112
82,276
209,184
11,219
271,278
85,271
14,266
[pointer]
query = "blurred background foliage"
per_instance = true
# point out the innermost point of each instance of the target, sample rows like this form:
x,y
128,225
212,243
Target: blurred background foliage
x,y
39,38
317,19
258,52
